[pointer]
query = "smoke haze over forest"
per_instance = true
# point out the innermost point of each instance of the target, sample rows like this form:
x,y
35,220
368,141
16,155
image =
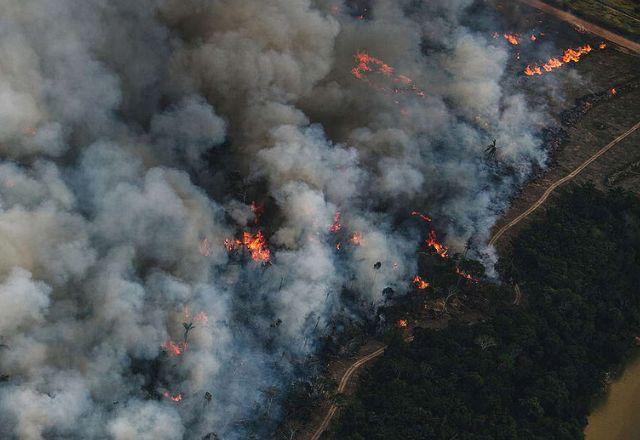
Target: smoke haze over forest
x,y
134,137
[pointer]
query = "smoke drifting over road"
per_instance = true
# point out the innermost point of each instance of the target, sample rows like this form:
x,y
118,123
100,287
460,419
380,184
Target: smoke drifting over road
x,y
135,134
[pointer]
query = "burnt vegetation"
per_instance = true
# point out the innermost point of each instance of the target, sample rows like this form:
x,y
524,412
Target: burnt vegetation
x,y
528,371
554,136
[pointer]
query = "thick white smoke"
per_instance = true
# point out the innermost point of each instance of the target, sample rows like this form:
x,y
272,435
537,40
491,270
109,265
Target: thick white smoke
x,y
134,135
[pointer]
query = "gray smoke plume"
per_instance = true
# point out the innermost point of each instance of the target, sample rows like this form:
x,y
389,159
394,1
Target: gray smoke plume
x,y
135,134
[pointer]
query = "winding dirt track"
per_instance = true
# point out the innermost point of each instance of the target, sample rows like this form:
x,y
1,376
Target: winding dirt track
x,y
342,386
596,30
561,181
344,381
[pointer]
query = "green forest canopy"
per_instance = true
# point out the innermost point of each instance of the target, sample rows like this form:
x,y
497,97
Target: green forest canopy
x,y
530,371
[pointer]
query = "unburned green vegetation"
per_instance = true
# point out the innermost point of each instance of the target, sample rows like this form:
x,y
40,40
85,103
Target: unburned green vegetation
x,y
526,372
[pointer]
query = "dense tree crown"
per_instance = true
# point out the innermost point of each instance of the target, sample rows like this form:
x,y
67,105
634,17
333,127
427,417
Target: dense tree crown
x,y
527,372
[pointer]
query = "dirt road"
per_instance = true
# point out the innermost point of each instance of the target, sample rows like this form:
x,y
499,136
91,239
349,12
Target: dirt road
x,y
589,27
560,182
342,386
344,381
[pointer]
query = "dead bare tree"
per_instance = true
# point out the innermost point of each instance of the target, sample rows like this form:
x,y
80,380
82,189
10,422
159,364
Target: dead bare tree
x,y
271,393
187,328
485,342
491,150
453,291
518,294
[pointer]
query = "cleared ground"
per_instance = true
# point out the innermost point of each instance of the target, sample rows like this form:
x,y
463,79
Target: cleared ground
x,y
623,15
599,71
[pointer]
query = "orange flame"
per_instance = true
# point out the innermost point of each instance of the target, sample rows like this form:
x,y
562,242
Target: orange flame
x,y
568,55
419,283
602,45
366,63
257,245
232,244
532,70
174,349
512,39
613,91
402,323
335,226
535,37
432,241
356,238
426,218
575,54
175,398
466,275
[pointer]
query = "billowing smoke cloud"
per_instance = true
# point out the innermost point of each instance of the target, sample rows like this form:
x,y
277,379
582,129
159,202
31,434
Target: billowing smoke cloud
x,y
133,137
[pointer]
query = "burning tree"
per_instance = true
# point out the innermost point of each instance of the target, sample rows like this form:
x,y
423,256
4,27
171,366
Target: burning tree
x,y
256,244
419,283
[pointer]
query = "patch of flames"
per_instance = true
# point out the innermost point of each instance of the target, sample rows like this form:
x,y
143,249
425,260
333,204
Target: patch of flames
x,y
432,241
174,349
513,39
335,226
535,37
256,244
463,274
174,397
554,63
419,283
367,64
426,218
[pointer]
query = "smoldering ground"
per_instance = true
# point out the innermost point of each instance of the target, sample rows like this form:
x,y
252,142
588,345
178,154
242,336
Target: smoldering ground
x,y
131,135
